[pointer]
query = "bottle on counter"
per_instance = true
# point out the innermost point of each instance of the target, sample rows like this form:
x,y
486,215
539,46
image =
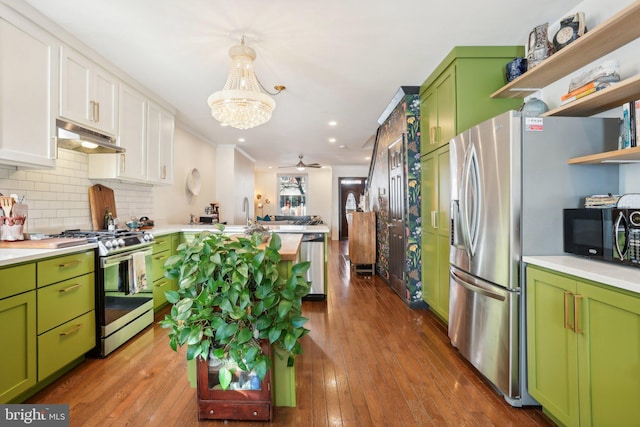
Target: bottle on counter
x,y
108,220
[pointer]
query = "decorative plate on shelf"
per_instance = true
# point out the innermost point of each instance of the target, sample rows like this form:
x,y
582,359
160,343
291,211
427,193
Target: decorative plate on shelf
x,y
194,183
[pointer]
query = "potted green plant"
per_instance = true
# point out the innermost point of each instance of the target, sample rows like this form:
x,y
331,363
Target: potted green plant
x,y
231,297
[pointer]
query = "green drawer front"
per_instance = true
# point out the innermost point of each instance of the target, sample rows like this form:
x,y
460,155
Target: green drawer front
x,y
64,344
18,279
157,264
159,288
163,243
65,267
64,301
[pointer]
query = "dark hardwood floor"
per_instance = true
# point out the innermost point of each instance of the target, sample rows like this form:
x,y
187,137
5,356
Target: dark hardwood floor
x,y
368,361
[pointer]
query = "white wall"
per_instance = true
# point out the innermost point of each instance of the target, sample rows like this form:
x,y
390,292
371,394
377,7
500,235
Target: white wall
x,y
628,56
174,204
319,190
235,181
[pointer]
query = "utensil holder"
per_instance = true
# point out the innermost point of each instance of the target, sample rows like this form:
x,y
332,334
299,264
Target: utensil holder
x,y
12,232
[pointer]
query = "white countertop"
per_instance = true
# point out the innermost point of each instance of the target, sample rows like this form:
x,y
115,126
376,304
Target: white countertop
x,y
619,276
181,228
16,256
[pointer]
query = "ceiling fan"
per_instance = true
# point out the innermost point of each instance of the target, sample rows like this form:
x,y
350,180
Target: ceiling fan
x,y
301,165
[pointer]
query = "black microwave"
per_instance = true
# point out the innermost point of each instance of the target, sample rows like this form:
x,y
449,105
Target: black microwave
x,y
589,232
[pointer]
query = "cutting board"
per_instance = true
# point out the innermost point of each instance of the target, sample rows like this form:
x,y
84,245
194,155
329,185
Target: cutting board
x,y
51,243
100,198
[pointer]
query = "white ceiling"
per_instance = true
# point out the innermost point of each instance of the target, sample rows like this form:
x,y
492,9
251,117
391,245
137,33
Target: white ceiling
x,y
340,60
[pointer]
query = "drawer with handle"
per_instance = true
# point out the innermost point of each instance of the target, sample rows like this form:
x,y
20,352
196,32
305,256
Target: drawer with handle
x,y
65,267
65,300
17,279
64,344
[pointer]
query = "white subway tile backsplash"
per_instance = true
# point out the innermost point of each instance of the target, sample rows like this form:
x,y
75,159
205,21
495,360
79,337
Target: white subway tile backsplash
x,y
69,184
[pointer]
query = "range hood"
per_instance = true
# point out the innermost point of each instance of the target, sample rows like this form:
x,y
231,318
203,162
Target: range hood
x,y
74,137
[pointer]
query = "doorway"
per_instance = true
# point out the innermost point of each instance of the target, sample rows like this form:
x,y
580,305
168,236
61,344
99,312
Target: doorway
x,y
396,216
350,190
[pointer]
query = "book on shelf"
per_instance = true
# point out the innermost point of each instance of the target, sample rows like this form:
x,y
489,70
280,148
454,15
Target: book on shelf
x,y
580,95
627,126
590,85
601,201
636,112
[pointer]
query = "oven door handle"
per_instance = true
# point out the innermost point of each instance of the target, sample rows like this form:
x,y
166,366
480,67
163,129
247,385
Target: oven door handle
x,y
117,259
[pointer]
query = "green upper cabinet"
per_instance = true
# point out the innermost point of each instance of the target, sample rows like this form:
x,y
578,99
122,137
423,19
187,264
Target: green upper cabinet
x,y
584,350
456,96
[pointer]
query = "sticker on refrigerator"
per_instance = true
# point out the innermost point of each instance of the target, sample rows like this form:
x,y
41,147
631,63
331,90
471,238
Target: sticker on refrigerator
x,y
533,124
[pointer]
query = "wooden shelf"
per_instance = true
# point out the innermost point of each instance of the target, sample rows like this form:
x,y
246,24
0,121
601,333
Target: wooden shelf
x,y
629,155
615,32
603,100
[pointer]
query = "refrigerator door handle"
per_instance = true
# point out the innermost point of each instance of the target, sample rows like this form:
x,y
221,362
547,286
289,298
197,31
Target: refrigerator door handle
x,y
471,198
472,284
621,220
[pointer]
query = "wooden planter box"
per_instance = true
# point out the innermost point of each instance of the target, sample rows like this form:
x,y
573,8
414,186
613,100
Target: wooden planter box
x,y
218,404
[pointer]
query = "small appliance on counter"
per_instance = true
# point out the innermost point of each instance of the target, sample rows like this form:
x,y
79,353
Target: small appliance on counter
x,y
610,233
211,214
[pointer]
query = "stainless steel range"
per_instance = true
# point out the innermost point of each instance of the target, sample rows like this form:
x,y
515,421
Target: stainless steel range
x,y
124,302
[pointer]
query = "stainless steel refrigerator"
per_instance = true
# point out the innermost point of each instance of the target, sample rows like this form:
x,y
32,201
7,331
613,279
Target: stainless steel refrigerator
x,y
509,183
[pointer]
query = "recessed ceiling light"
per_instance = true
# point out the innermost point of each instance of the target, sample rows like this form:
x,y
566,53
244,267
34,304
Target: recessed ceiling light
x,y
342,146
333,123
223,124
367,158
332,140
241,139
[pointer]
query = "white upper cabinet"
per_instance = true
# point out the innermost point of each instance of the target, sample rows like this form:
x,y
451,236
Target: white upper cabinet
x,y
130,165
88,93
145,131
160,126
28,90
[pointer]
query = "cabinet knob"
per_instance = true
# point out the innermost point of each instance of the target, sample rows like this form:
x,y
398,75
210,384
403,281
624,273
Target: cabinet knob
x,y
255,413
211,411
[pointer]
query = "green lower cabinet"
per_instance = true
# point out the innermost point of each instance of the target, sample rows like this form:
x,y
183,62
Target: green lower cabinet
x,y
583,349
65,344
436,198
18,341
163,248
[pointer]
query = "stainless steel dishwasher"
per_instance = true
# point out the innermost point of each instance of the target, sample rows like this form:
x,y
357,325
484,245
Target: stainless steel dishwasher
x,y
312,249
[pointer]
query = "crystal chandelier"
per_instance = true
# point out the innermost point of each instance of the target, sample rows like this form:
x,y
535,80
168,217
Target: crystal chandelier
x,y
242,103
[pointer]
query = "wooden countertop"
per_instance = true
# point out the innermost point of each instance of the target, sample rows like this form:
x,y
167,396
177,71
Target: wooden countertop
x,y
290,246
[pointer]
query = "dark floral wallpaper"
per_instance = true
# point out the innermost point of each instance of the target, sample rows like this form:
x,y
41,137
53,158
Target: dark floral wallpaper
x,y
405,119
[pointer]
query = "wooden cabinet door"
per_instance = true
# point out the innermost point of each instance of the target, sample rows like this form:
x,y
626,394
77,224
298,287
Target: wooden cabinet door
x,y
429,119
18,338
160,126
429,203
105,95
609,356
88,94
28,89
75,87
132,136
436,196
446,106
438,111
552,344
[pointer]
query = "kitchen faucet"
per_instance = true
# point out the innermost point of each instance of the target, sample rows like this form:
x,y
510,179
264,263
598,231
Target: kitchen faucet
x,y
245,209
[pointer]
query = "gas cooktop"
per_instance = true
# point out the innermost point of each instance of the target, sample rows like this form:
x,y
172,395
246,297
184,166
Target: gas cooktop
x,y
111,242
